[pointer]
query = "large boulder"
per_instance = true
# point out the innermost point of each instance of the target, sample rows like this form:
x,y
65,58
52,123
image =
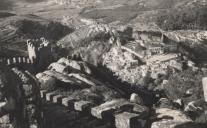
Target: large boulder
x,y
129,120
77,65
46,81
197,110
58,68
193,41
61,77
72,63
135,98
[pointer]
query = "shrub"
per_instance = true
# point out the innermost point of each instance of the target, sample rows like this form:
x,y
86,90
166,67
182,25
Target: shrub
x,y
180,82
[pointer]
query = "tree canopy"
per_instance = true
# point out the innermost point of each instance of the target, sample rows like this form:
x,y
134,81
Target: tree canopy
x,y
187,18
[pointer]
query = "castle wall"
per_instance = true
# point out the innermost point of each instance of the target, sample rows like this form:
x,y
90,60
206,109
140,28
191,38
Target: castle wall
x,y
16,60
20,62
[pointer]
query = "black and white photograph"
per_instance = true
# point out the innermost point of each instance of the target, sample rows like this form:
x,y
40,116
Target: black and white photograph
x,y
103,63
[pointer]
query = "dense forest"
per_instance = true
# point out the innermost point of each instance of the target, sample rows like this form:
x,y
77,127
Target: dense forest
x,y
187,18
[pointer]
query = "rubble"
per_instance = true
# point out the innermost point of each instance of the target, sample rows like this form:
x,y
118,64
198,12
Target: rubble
x,y
135,98
59,68
107,109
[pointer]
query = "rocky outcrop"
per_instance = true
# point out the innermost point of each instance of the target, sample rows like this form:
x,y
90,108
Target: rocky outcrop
x,y
89,42
78,65
76,76
100,99
129,120
135,98
169,118
192,41
84,36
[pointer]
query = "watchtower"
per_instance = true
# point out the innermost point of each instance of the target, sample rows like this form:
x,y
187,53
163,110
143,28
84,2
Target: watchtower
x,y
40,52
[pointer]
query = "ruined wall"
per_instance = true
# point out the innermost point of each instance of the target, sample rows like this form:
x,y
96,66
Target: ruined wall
x,y
40,52
20,61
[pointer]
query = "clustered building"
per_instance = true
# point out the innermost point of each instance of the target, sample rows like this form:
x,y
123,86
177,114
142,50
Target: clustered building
x,y
160,54
149,52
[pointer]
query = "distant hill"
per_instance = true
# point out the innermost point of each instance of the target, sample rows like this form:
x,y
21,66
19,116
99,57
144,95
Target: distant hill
x,y
17,29
24,19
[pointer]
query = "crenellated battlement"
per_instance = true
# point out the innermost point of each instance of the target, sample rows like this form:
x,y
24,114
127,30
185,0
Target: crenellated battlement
x,y
16,60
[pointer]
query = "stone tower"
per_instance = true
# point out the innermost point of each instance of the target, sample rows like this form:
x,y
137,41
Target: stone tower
x,y
163,38
40,53
32,51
